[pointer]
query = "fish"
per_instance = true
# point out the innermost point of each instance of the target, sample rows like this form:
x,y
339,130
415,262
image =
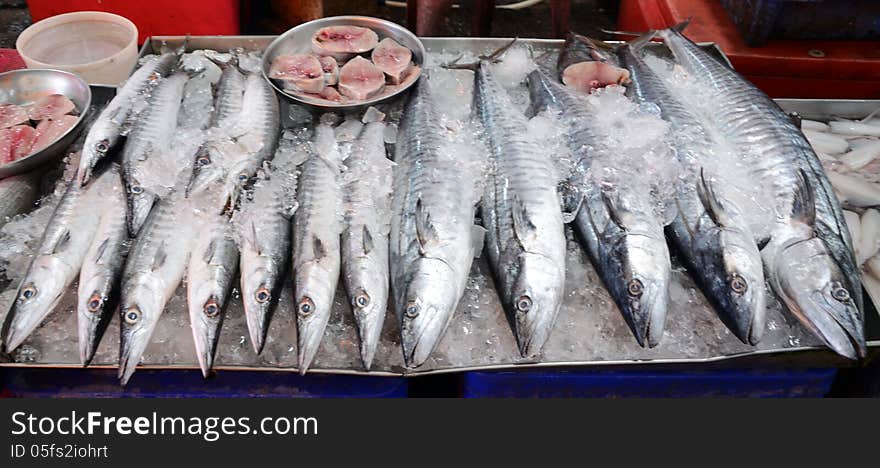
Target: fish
x,y
317,228
809,256
342,42
234,160
147,158
525,234
360,79
98,291
50,107
56,261
585,64
365,235
263,230
433,235
393,59
709,231
300,72
210,277
153,270
18,194
120,113
230,97
618,228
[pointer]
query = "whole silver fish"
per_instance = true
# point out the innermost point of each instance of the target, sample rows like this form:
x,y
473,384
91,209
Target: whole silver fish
x,y
525,237
433,238
56,261
317,227
617,227
809,258
18,194
365,238
252,139
263,230
153,270
110,125
147,153
97,295
710,233
210,277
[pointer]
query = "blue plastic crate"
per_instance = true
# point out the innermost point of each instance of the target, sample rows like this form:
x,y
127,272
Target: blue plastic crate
x,y
760,20
639,383
146,383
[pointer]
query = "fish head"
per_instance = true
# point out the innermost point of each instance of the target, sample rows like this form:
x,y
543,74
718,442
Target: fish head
x,y
93,313
368,293
534,298
315,285
240,173
738,291
139,312
38,294
208,168
428,304
140,202
815,290
258,290
205,303
642,293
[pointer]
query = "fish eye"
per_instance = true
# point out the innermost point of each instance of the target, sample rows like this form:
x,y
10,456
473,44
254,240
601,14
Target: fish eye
x,y
361,300
242,177
211,308
95,303
132,315
524,303
136,189
103,146
306,306
28,291
839,293
203,160
412,310
263,295
635,288
738,284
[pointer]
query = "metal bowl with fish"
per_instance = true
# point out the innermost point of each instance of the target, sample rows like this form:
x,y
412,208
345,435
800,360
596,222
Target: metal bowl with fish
x,y
41,114
344,63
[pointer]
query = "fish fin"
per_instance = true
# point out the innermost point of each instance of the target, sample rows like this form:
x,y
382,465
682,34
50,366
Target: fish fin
x,y
210,251
710,202
570,202
119,116
159,259
682,25
425,232
63,239
684,220
288,210
494,56
795,119
318,247
804,206
367,240
478,236
613,213
254,238
523,227
102,249
639,42
762,242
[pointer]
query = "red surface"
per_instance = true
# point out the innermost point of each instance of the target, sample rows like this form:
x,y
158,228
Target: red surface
x,y
782,68
155,17
10,60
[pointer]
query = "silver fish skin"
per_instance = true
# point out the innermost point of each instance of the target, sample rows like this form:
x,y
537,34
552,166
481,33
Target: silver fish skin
x,y
147,148
230,97
98,291
153,270
210,277
105,133
365,236
525,237
317,227
252,139
619,229
809,233
18,194
433,238
263,231
56,262
709,232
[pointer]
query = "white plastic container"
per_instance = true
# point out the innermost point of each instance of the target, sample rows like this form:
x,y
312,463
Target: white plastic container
x,y
100,47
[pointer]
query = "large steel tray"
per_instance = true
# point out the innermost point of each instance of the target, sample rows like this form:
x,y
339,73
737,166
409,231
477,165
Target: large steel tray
x,y
589,331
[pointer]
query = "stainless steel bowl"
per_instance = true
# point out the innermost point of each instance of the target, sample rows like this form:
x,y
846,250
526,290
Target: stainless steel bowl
x,y
298,41
26,86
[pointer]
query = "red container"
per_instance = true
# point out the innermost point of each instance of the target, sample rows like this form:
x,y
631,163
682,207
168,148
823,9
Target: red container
x,y
781,68
155,17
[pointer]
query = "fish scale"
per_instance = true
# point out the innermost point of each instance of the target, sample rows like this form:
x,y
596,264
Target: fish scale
x,y
527,257
810,232
432,234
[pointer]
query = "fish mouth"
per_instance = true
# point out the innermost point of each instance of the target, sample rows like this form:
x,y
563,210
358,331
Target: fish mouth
x,y
309,333
130,353
257,316
139,207
369,322
829,323
21,325
417,347
533,329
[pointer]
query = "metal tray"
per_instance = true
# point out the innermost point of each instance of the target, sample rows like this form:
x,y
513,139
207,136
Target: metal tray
x,y
589,331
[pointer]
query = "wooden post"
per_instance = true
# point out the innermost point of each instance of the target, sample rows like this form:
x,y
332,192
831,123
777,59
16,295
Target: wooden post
x,y
482,19
560,11
425,17
295,12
